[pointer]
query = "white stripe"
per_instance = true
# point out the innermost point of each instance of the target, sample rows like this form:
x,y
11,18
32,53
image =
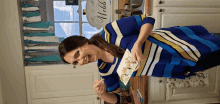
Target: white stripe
x,y
106,37
156,60
118,40
101,64
150,16
184,42
177,43
118,33
147,15
110,70
150,58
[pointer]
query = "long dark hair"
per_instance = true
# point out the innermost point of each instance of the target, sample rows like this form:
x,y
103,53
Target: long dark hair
x,y
73,42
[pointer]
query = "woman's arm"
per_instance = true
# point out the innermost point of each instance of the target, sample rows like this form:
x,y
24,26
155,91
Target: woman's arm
x,y
108,97
100,89
144,33
136,49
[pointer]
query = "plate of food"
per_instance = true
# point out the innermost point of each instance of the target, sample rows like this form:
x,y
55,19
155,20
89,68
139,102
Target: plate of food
x,y
126,67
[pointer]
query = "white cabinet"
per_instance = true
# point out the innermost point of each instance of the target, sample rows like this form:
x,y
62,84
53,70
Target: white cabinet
x,y
169,13
162,93
170,16
187,3
61,84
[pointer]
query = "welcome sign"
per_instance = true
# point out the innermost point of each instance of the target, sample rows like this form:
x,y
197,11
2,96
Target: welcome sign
x,y
98,12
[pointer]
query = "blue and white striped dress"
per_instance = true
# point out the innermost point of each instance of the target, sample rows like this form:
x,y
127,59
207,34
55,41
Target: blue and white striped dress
x,y
168,50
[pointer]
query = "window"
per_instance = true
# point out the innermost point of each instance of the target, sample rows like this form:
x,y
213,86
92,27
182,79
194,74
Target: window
x,y
69,20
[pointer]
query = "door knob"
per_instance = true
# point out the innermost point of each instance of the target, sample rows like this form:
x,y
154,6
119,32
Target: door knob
x,y
160,81
98,98
161,10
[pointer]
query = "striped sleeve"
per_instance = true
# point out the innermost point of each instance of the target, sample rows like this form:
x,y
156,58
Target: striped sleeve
x,y
188,43
160,63
171,50
107,72
126,26
112,83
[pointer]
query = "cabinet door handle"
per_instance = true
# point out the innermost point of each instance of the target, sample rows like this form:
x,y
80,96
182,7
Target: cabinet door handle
x,y
98,98
160,81
160,2
161,10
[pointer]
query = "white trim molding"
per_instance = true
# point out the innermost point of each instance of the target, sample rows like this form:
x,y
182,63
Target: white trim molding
x,y
114,6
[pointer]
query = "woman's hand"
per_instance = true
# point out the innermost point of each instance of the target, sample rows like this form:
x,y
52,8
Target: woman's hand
x,y
99,87
137,54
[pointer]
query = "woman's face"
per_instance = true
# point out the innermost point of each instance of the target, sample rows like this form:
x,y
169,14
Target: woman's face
x,y
83,55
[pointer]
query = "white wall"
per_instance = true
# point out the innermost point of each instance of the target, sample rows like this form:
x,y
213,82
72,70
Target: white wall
x,y
11,58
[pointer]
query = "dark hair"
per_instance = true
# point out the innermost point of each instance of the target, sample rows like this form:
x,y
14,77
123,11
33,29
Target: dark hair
x,y
73,42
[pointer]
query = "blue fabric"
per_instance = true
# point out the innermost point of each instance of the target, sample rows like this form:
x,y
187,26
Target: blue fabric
x,y
138,20
149,20
129,26
130,32
191,34
170,63
199,31
113,87
216,35
103,33
134,74
168,70
175,61
178,72
39,24
171,50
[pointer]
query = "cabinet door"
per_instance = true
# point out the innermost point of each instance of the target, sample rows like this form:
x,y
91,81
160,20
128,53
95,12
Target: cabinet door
x,y
161,93
210,90
187,3
62,81
207,17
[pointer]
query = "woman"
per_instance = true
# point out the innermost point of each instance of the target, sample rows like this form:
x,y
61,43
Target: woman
x,y
170,52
